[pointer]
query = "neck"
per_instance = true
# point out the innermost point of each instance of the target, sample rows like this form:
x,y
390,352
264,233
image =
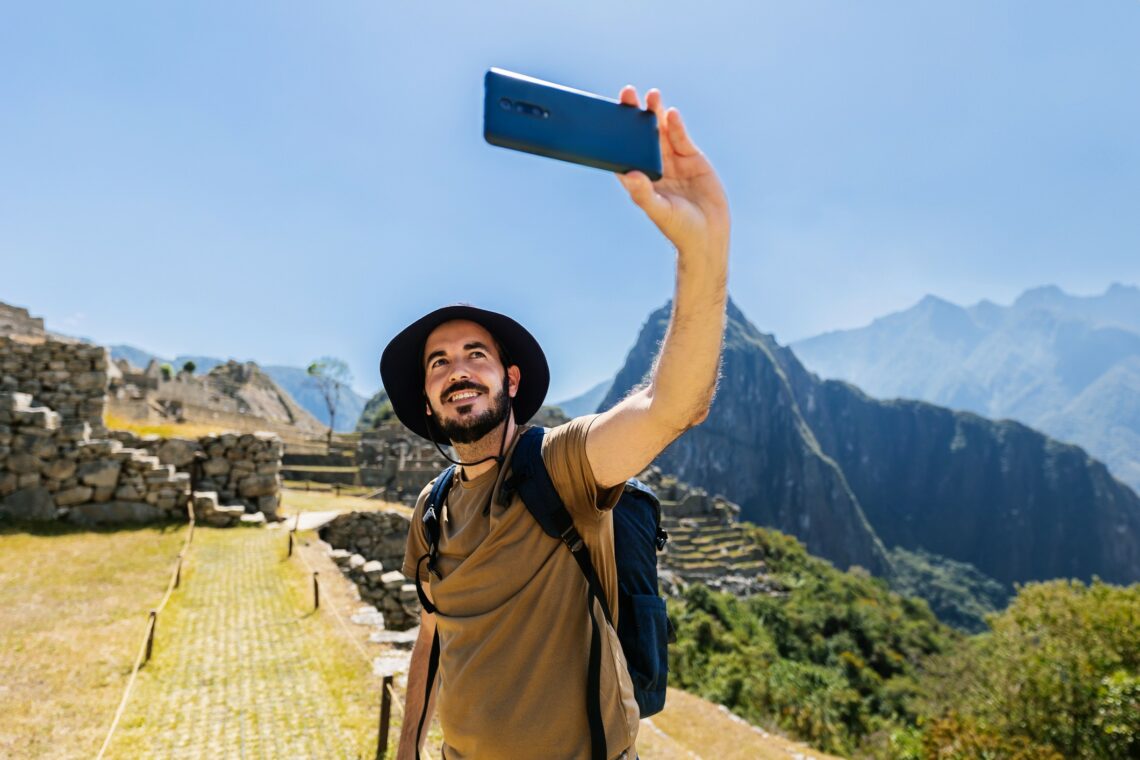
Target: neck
x,y
487,446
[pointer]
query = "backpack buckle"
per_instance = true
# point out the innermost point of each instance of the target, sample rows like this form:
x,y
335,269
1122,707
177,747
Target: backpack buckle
x,y
661,539
571,538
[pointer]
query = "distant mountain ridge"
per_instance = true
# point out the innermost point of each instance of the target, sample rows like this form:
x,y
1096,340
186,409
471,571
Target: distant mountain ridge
x,y
293,380
587,402
850,475
1068,365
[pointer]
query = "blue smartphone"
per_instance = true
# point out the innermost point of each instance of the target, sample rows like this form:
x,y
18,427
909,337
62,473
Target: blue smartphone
x,y
547,119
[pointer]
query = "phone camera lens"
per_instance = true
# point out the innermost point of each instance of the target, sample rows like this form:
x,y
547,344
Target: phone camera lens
x,y
505,104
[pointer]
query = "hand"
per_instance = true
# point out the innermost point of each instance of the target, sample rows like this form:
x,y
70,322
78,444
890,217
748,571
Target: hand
x,y
688,203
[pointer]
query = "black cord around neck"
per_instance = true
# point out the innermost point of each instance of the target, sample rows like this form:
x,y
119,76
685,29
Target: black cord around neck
x,y
502,444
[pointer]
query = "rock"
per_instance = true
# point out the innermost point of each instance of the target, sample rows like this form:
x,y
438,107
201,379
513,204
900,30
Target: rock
x,y
340,556
101,472
356,562
205,501
257,485
114,512
32,504
216,466
368,615
60,469
28,480
398,639
129,492
268,505
24,463
373,569
77,495
7,483
177,451
392,580
101,446
254,519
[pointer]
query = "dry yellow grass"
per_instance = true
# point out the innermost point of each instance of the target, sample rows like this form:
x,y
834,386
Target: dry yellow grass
x,y
704,730
168,430
73,609
296,500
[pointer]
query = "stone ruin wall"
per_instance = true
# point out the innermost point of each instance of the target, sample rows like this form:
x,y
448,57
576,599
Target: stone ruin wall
x,y
398,462
369,548
57,461
17,321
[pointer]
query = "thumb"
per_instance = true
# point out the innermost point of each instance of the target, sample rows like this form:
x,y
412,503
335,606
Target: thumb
x,y
641,192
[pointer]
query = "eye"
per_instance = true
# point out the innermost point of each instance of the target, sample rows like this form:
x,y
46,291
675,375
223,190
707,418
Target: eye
x,y
478,354
439,361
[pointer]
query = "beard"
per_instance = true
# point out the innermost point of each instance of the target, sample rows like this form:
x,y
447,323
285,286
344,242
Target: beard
x,y
469,429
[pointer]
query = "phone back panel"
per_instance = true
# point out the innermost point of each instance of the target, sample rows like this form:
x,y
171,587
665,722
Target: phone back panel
x,y
547,119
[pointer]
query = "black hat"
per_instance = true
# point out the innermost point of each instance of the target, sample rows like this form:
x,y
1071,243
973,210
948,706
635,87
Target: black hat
x,y
402,365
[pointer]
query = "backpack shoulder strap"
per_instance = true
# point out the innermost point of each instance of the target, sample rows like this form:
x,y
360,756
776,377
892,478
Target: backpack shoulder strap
x,y
533,484
432,508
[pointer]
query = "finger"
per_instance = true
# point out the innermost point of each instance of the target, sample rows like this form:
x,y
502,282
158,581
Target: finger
x,y
679,134
628,96
653,103
641,192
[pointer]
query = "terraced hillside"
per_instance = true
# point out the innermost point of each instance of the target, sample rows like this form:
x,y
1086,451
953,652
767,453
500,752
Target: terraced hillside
x,y
706,543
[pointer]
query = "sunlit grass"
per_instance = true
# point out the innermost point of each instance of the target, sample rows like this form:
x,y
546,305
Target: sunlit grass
x,y
73,610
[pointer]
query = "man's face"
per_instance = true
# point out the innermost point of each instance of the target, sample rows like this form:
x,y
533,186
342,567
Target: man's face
x,y
466,385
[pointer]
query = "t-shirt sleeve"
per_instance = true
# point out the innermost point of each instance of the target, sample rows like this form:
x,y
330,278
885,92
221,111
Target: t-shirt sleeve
x,y
417,540
564,454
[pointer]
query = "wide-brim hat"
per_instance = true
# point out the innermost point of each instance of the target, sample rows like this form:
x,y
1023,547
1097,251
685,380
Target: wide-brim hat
x,y
402,366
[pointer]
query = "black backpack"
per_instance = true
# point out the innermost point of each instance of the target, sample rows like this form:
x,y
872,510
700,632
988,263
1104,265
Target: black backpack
x,y
643,629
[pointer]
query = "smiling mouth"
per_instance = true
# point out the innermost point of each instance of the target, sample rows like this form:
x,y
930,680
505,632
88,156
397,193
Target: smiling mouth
x,y
462,396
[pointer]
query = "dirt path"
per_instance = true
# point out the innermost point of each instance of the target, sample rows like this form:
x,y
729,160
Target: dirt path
x,y
237,671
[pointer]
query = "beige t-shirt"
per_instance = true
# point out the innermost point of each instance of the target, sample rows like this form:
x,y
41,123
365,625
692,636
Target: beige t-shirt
x,y
514,632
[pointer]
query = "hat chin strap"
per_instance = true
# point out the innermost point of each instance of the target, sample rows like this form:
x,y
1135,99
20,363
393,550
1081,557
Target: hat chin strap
x,y
502,443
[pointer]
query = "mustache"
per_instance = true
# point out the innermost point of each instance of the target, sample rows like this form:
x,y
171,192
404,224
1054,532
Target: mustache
x,y
462,385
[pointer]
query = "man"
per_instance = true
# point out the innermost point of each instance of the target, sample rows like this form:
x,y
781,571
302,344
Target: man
x,y
510,601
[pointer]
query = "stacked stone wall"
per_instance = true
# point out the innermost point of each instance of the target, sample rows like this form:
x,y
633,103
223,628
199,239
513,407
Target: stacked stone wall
x,y
228,470
70,378
50,470
369,548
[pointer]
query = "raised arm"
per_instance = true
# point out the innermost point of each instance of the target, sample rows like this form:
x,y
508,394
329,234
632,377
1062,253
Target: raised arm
x,y
689,206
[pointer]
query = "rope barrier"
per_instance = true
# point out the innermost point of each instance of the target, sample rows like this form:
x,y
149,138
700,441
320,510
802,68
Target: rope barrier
x,y
147,645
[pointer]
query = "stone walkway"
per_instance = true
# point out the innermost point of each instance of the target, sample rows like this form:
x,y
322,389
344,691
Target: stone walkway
x,y
234,673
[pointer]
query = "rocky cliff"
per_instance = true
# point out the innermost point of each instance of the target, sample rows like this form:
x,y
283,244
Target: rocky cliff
x,y
840,470
757,449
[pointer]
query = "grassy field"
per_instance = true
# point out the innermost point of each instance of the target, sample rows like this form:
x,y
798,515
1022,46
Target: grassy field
x,y
73,609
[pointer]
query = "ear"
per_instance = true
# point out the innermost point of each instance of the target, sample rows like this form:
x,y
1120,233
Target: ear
x,y
513,377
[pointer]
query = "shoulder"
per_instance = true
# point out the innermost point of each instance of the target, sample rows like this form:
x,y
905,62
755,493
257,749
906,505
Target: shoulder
x,y
567,439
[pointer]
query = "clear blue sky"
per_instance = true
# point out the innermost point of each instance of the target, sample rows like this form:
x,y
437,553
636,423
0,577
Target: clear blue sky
x,y
282,180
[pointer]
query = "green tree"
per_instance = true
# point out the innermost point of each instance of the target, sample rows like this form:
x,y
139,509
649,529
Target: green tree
x,y
189,367
1060,668
167,371
332,378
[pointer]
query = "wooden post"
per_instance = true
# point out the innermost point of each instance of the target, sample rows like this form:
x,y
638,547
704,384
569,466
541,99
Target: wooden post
x,y
316,592
337,486
385,715
178,571
290,552
150,635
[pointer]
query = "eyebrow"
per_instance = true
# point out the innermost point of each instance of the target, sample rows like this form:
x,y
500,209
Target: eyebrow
x,y
466,347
